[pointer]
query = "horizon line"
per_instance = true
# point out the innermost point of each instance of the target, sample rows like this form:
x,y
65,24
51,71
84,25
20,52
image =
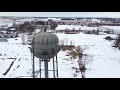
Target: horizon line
x,y
61,16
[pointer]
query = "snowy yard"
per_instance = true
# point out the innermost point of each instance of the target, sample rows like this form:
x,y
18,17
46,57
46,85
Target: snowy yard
x,y
15,58
106,59
18,54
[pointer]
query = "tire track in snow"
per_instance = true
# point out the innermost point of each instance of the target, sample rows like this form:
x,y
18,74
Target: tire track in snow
x,y
15,64
9,68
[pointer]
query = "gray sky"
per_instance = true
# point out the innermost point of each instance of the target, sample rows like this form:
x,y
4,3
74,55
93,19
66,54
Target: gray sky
x,y
63,14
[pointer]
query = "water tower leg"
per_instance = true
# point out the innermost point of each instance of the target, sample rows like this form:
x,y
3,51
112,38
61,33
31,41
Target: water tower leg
x,y
53,67
40,67
33,67
57,65
33,61
46,68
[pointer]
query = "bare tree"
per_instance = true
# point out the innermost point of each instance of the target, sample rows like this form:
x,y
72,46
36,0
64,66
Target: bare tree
x,y
117,41
86,59
83,60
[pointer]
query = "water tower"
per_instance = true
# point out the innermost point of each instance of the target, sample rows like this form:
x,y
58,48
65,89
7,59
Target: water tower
x,y
45,47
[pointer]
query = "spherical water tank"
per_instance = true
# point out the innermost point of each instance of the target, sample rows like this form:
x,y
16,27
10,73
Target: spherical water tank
x,y
45,45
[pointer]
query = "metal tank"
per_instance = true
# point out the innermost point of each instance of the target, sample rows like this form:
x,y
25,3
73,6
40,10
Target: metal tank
x,y
45,45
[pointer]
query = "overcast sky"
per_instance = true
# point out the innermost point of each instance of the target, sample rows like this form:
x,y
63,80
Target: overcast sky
x,y
63,14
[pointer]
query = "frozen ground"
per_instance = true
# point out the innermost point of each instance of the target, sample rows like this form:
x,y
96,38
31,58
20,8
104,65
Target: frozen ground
x,y
15,61
76,27
105,59
115,28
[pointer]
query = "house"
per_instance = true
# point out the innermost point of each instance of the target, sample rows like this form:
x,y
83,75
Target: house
x,y
11,35
11,30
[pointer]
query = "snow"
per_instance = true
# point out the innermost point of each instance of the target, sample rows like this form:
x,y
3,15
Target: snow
x,y
7,22
19,22
105,58
70,27
91,20
11,49
54,19
26,19
12,29
115,28
14,51
95,20
76,27
88,28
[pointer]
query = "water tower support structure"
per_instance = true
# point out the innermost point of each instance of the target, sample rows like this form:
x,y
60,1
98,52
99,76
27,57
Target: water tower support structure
x,y
45,47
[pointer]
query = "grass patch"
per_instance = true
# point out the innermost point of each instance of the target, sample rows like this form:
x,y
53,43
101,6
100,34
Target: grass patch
x,y
66,47
71,50
74,54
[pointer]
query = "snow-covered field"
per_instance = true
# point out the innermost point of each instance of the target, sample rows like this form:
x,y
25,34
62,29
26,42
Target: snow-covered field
x,y
15,58
18,54
76,27
115,28
105,59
